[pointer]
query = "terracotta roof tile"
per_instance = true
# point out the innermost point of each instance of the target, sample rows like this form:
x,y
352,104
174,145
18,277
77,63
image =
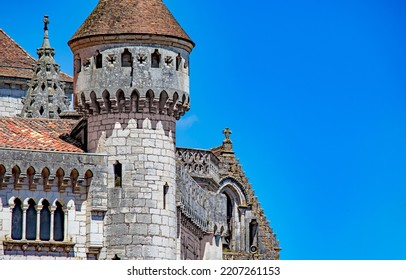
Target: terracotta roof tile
x,y
15,62
36,134
112,17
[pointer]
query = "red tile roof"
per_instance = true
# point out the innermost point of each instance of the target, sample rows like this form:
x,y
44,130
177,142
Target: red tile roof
x,y
113,17
15,62
36,134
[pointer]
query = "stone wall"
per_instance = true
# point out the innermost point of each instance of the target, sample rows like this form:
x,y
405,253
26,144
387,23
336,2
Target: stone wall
x,y
50,176
203,218
141,218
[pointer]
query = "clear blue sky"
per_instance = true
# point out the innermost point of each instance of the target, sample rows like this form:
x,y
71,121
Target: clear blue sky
x,y
315,94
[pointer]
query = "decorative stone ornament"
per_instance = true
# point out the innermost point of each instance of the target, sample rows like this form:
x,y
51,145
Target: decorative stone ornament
x,y
45,97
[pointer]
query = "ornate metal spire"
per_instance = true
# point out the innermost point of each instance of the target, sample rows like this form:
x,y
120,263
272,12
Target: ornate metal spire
x,y
45,96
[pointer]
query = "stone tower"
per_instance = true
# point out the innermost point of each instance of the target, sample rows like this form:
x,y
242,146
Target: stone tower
x,y
131,82
45,97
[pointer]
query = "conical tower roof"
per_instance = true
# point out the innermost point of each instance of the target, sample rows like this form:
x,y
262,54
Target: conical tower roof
x,y
130,17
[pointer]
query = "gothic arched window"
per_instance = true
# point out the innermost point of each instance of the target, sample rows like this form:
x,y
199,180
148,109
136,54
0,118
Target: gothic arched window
x,y
45,222
17,221
59,221
31,221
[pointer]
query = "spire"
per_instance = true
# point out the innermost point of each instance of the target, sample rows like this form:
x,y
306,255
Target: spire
x,y
45,96
45,43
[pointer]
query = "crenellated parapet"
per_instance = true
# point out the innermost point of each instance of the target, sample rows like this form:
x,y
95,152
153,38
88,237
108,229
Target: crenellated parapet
x,y
139,79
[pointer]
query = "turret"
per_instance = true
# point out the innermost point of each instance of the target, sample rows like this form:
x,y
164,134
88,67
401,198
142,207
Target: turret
x,y
131,83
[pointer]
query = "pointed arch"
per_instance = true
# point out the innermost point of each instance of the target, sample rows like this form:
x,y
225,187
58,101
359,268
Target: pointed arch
x,y
120,101
150,99
163,98
106,99
94,102
135,97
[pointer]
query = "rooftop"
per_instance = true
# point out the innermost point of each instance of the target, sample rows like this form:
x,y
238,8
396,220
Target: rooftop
x,y
36,134
114,17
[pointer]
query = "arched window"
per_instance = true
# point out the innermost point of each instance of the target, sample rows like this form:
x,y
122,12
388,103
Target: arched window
x,y
17,221
59,222
45,222
31,221
126,59
99,60
155,59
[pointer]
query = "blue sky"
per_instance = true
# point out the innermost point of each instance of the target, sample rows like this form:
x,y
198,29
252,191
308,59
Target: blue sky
x,y
314,92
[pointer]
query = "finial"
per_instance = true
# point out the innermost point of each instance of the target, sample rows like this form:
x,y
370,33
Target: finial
x,y
46,44
46,22
227,144
227,132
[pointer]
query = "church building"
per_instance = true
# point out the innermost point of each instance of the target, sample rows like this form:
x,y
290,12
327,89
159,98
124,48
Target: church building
x,y
89,167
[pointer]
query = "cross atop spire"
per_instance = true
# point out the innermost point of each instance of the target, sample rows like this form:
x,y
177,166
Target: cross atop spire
x,y
46,22
227,132
227,144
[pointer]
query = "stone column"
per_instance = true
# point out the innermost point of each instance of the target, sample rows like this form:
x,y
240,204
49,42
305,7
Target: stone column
x,y
39,208
24,221
65,226
51,235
